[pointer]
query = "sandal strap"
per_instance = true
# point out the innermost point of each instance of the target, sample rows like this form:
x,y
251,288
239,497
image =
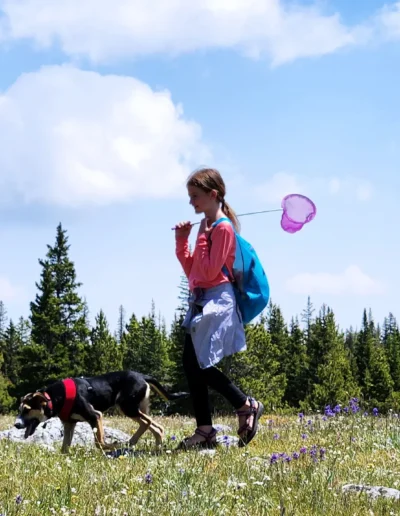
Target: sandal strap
x,y
207,435
249,411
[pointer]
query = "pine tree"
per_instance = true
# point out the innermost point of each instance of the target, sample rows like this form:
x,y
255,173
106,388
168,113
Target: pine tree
x,y
121,324
58,315
131,342
365,344
307,319
103,353
279,336
12,354
256,370
296,370
3,319
330,372
391,344
184,294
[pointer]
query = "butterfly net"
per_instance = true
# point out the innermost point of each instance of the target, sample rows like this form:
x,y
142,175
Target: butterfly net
x,y
297,211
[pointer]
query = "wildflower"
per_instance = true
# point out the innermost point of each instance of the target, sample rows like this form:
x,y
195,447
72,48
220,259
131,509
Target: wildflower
x,y
375,411
324,418
309,422
346,410
295,455
322,452
304,436
274,458
287,458
365,414
173,437
18,499
148,478
303,450
276,436
301,415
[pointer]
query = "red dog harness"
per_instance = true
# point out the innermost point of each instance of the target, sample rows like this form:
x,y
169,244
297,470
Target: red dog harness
x,y
70,395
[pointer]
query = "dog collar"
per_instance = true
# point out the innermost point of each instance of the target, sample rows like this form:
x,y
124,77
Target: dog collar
x,y
49,402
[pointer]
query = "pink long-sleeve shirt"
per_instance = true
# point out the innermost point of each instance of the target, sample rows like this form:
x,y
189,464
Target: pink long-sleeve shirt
x,y
203,266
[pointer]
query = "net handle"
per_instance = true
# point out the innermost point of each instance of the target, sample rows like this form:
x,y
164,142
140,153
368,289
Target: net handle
x,y
244,214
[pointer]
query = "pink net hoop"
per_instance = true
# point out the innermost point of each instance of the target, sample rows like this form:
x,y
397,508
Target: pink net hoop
x,y
297,211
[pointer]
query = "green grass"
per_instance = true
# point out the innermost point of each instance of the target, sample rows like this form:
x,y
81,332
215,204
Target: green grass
x,y
233,481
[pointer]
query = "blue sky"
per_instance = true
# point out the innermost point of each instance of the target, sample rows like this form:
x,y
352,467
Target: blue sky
x,y
105,110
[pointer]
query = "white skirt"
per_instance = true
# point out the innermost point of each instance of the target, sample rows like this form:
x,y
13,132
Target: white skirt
x,y
215,324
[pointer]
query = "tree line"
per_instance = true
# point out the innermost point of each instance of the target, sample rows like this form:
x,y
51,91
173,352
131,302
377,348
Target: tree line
x,y
304,365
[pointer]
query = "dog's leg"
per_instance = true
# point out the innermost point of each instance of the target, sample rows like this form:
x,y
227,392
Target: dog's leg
x,y
143,426
155,429
69,428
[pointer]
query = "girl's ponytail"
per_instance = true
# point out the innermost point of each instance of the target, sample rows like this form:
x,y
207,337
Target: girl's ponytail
x,y
230,213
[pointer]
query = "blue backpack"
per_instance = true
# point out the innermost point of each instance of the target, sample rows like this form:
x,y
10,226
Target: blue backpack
x,y
249,281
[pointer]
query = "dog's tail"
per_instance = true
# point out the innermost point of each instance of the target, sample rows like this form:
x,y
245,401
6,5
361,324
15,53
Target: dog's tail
x,y
161,391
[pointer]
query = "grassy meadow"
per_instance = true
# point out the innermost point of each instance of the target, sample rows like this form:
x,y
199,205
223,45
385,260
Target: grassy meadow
x,y
294,466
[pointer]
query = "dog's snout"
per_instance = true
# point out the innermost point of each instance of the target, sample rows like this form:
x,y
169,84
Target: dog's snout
x,y
19,424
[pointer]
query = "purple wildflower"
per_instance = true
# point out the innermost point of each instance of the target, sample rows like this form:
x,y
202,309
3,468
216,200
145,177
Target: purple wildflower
x,y
346,410
295,455
365,414
173,437
375,411
304,436
274,458
148,478
309,422
18,499
324,418
287,458
276,436
301,415
303,449
322,452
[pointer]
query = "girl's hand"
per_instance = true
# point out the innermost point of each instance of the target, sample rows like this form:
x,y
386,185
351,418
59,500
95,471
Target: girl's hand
x,y
183,229
205,226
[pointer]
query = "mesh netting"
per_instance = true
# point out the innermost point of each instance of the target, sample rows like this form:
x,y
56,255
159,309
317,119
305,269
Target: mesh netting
x,y
297,211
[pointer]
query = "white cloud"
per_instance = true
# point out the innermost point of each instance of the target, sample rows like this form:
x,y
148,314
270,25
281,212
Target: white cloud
x,y
73,137
334,186
364,191
104,30
388,21
8,291
280,184
353,281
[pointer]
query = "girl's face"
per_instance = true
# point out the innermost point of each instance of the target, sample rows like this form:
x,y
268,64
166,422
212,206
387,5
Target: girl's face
x,y
202,201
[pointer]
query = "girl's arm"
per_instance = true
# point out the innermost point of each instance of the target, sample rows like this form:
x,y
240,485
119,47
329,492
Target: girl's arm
x,y
183,254
213,259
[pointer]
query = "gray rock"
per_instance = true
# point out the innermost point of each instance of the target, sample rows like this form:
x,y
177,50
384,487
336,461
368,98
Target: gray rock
x,y
51,433
373,491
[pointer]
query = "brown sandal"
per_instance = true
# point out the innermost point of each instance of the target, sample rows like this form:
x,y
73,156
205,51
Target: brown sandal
x,y
208,443
250,430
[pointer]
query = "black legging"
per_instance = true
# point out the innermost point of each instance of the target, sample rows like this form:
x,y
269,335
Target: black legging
x,y
200,379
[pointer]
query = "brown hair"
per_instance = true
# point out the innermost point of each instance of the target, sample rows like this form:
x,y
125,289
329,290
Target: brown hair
x,y
209,179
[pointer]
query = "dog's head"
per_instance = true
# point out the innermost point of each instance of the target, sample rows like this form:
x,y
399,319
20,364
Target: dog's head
x,y
33,410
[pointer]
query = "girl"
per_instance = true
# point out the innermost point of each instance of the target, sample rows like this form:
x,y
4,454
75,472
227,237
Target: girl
x,y
214,327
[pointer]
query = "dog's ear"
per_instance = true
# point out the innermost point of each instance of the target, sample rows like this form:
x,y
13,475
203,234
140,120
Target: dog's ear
x,y
23,398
